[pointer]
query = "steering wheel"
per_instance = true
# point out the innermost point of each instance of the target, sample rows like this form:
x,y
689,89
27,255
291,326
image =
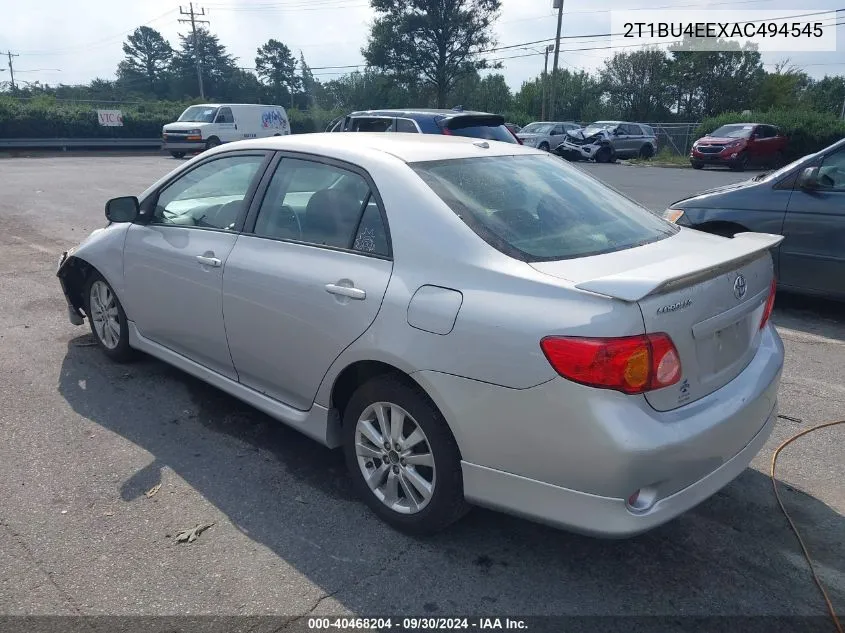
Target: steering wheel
x,y
288,212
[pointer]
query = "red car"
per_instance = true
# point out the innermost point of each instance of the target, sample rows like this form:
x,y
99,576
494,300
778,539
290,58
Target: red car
x,y
740,145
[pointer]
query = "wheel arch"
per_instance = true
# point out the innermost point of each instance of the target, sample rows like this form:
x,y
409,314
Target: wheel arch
x,y
357,373
726,228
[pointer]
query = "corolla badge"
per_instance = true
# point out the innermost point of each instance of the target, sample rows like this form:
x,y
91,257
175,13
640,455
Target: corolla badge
x,y
740,286
675,306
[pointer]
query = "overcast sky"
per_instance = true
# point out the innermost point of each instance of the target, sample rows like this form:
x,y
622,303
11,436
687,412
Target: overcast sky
x,y
74,41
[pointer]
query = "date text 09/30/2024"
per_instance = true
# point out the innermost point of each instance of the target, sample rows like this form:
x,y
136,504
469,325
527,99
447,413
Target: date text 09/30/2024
x,y
416,624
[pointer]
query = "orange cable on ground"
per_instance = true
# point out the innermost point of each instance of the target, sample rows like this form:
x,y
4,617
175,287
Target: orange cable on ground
x,y
816,578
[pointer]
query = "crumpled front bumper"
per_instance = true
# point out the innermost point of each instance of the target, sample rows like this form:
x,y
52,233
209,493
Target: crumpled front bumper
x,y
74,314
588,150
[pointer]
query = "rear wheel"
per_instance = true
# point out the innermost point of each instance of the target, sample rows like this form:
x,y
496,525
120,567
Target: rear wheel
x,y
177,154
646,151
604,155
402,457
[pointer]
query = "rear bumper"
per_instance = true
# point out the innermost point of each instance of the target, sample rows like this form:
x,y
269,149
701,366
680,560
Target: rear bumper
x,y
571,456
182,146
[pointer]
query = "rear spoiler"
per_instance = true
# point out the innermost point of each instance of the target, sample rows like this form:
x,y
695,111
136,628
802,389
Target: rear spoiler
x,y
638,283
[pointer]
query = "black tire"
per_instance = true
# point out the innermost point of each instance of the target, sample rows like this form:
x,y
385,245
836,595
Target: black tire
x,y
741,163
177,154
543,146
604,155
697,165
447,503
646,151
212,142
121,352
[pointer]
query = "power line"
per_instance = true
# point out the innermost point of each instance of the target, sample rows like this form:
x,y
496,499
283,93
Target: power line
x,y
193,20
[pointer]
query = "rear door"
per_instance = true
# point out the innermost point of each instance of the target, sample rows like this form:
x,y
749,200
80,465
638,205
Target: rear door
x,y
307,278
812,256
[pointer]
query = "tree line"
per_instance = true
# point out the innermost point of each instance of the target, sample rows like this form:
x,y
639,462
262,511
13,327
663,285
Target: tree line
x,y
431,53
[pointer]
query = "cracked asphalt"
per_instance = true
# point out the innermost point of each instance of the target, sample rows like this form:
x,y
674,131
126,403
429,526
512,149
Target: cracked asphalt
x,y
82,440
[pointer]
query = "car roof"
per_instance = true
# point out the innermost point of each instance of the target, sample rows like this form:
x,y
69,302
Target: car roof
x,y
359,147
217,105
417,112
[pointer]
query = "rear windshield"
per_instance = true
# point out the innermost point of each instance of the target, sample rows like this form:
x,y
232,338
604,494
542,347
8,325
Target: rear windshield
x,y
538,208
479,128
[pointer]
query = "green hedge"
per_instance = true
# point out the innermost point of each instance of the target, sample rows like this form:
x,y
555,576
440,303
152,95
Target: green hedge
x,y
45,117
808,131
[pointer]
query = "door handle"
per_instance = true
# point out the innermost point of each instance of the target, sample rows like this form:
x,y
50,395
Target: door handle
x,y
345,291
209,261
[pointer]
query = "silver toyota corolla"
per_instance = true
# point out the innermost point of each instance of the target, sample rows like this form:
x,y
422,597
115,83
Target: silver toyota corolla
x,y
471,321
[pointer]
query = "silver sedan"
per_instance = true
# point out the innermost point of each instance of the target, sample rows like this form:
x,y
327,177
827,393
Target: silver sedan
x,y
473,322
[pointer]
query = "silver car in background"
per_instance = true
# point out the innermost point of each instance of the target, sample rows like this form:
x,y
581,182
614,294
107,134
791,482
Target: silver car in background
x,y
545,135
472,322
605,141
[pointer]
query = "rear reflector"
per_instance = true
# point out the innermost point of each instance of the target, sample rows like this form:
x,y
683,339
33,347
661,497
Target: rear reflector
x,y
770,303
630,364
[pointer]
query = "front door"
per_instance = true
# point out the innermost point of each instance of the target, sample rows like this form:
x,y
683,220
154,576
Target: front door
x,y
173,265
812,255
306,278
227,129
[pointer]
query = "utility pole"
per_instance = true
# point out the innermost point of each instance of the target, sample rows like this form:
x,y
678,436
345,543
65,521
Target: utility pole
x,y
842,114
194,22
10,54
548,50
557,4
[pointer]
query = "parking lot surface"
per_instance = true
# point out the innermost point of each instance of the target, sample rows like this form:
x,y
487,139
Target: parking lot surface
x,y
82,440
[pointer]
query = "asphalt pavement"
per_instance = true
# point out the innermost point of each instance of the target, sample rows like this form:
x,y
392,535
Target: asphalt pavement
x,y
84,441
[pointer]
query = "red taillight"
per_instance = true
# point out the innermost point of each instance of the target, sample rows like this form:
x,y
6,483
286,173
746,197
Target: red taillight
x,y
630,364
446,131
770,303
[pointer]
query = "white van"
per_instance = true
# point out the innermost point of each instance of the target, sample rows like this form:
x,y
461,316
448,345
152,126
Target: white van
x,y
209,124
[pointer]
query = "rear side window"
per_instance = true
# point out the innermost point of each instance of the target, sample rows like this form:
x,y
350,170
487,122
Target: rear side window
x,y
406,125
371,124
478,127
536,208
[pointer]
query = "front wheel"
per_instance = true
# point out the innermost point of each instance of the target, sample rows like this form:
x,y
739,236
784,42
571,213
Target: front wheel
x,y
696,165
212,142
741,163
543,146
604,155
177,154
402,457
107,319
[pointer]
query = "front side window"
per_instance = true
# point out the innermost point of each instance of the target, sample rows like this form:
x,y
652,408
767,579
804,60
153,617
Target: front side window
x,y
536,208
210,196
371,124
225,116
321,204
832,171
537,128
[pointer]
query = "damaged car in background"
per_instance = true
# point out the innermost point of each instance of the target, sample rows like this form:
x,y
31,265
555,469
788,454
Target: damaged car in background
x,y
605,141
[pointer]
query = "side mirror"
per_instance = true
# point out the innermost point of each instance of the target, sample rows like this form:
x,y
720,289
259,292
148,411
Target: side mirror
x,y
616,132
124,209
808,179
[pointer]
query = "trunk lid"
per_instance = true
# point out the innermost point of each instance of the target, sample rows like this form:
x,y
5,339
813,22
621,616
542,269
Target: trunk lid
x,y
707,293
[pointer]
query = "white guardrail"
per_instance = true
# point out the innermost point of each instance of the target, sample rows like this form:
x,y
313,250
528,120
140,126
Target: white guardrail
x,y
80,143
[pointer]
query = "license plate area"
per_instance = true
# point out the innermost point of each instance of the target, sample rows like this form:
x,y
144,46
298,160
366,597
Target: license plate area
x,y
722,350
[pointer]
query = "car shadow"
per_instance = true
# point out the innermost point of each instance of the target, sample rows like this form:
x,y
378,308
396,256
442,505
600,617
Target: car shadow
x,y
734,554
811,315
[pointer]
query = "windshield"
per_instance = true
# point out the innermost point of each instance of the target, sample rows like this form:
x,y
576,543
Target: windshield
x,y
536,128
537,208
598,126
733,131
199,114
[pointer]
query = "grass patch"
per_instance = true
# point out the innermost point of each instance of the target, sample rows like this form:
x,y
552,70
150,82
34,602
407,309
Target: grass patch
x,y
663,158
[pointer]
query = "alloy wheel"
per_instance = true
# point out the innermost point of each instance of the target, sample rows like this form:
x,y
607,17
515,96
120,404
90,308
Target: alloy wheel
x,y
104,314
395,458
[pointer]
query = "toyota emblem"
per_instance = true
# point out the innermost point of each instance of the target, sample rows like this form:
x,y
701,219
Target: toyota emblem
x,y
740,287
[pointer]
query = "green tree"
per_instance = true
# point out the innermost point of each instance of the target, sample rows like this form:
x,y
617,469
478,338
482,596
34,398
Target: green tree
x,y
217,65
307,82
276,66
148,57
827,95
436,42
637,84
